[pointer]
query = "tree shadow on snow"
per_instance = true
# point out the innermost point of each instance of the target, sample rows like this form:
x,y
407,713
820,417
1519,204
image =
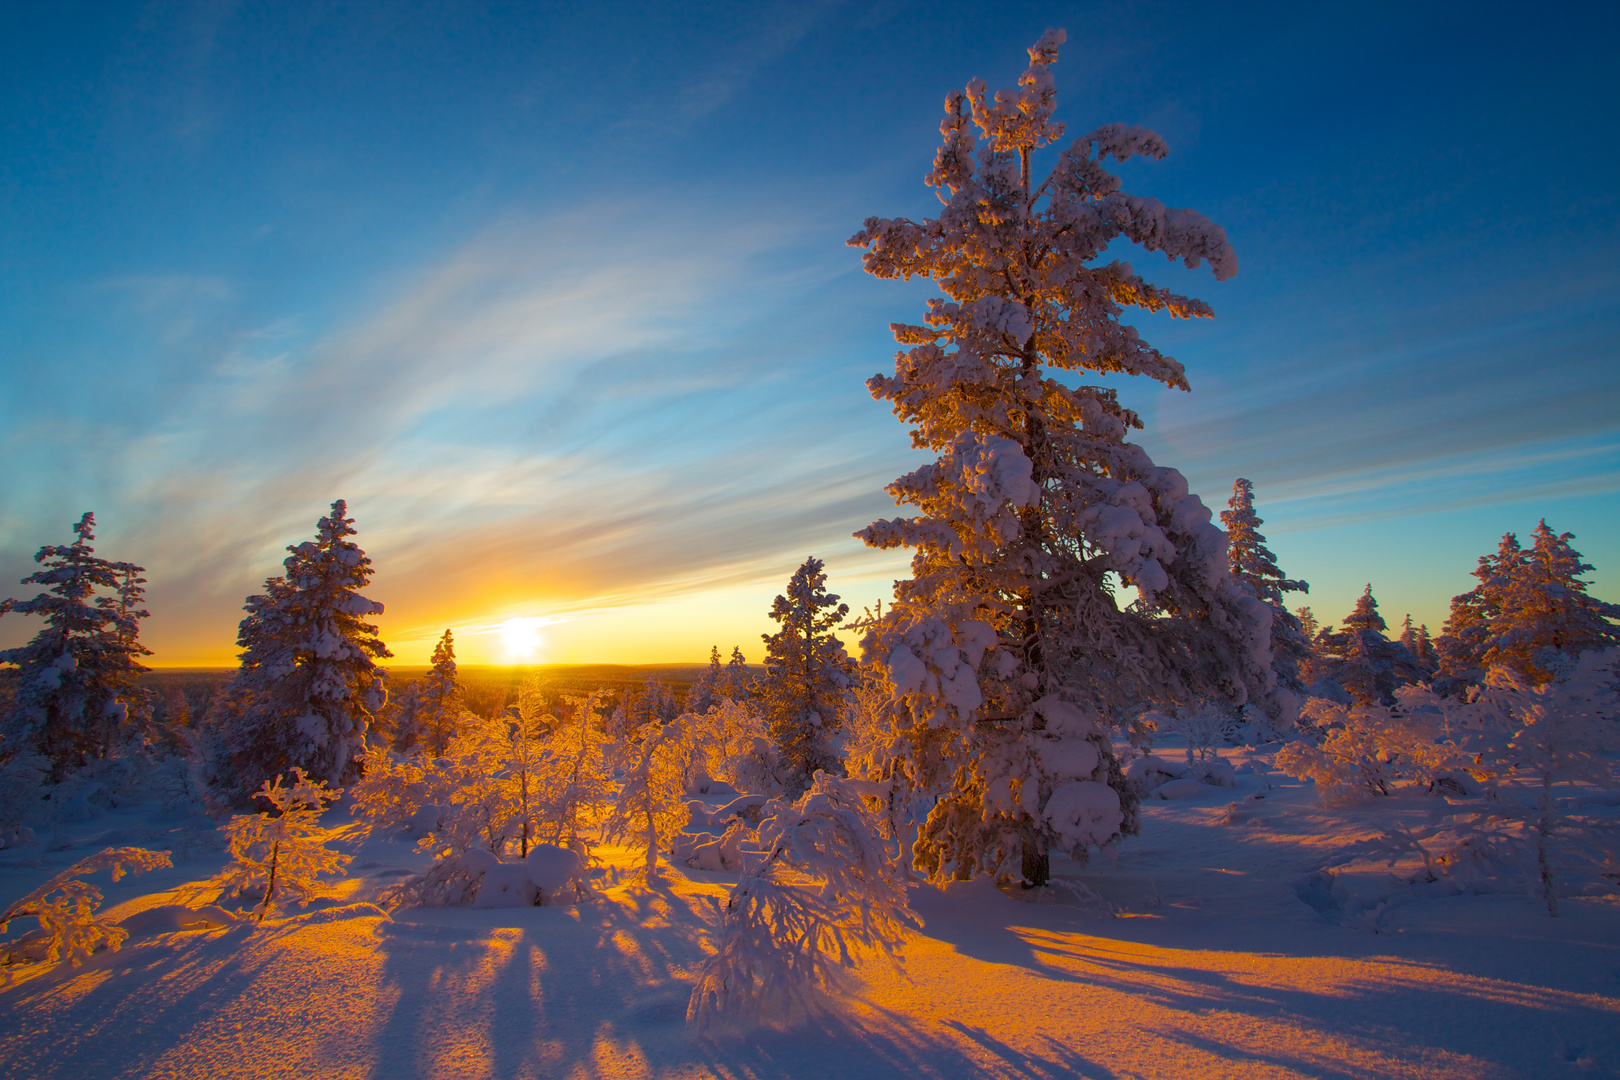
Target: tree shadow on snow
x,y
601,989
1367,1002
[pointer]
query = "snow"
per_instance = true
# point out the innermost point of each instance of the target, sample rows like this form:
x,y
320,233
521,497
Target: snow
x,y
506,885
1211,945
551,867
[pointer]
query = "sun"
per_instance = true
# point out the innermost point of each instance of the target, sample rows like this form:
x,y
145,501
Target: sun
x,y
521,639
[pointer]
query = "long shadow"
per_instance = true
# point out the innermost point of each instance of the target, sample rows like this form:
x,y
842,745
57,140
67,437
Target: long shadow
x,y
119,1013
1064,1064
583,991
1425,1007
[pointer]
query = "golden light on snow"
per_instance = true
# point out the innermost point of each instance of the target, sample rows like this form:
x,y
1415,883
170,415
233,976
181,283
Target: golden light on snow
x,y
521,641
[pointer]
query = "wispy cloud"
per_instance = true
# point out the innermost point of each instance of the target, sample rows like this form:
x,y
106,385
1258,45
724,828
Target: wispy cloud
x,y
567,414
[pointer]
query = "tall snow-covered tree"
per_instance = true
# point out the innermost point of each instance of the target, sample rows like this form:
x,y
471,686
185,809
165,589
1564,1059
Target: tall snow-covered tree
x,y
1006,648
1530,612
308,683
441,705
1362,660
1416,640
1307,622
740,682
1253,564
807,675
74,685
709,688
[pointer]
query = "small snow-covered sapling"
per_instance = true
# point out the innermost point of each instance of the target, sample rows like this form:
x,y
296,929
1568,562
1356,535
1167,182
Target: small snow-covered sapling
x,y
283,848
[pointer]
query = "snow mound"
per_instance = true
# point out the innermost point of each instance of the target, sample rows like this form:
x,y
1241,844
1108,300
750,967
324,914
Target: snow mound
x,y
505,885
551,867
170,918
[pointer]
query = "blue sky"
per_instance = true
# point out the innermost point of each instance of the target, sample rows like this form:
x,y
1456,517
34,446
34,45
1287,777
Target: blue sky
x,y
557,297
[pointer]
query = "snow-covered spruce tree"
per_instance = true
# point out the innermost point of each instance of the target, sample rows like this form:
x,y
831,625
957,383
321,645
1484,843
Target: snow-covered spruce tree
x,y
1253,564
74,685
741,684
1006,647
399,723
807,676
284,848
1416,640
309,683
441,705
1530,612
709,688
1362,660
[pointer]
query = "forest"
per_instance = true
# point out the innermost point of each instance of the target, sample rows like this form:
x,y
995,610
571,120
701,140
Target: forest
x,y
1084,662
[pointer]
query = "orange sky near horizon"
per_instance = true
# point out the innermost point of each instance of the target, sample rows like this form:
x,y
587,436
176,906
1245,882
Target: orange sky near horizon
x,y
678,629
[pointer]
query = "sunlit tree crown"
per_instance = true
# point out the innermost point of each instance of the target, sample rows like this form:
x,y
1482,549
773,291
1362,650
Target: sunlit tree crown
x,y
1007,634
1530,612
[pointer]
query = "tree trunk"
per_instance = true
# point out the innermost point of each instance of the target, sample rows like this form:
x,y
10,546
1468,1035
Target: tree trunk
x,y
1037,860
270,885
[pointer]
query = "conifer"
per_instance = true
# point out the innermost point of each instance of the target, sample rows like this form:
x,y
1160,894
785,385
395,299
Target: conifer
x,y
282,849
73,687
1006,649
709,688
807,675
309,684
1529,613
740,683
1253,564
441,708
1362,660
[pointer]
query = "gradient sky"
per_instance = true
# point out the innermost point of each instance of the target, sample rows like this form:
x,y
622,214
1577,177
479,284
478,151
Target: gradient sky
x,y
557,297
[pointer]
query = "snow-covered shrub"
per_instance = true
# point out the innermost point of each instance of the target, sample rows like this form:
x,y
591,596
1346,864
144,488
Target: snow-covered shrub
x,y
1538,773
1560,735
825,885
649,806
552,869
746,756
392,787
481,805
577,778
1368,748
1148,773
452,881
21,786
520,779
66,906
283,849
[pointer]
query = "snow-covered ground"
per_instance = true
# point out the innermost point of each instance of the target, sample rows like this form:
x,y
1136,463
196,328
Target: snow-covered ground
x,y
1209,947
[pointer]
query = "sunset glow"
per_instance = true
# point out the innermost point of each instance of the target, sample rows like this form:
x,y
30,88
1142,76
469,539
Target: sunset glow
x,y
809,541
521,640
